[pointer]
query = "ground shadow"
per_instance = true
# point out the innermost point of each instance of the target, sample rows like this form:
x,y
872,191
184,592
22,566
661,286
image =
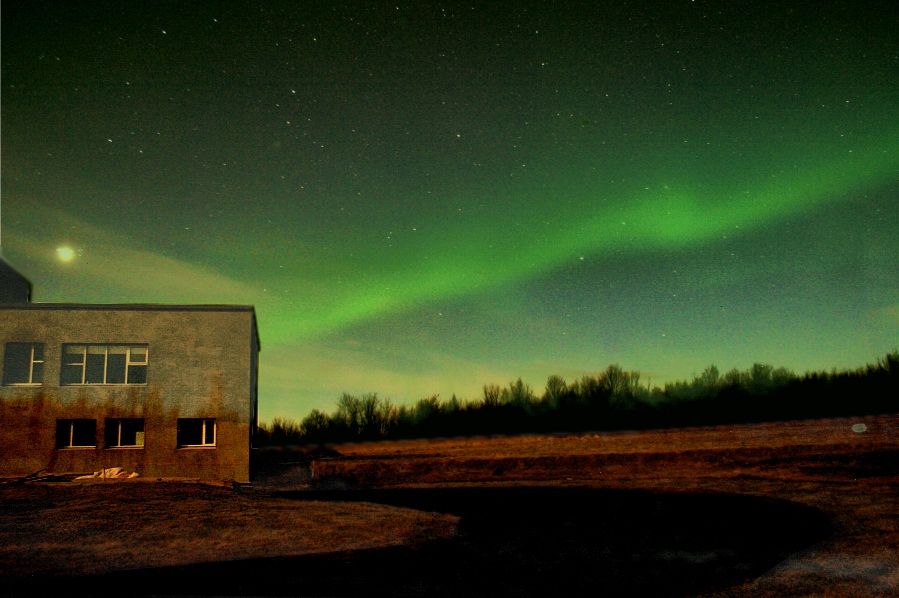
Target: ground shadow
x,y
521,541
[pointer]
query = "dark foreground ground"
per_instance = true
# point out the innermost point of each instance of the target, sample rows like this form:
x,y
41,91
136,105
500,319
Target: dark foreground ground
x,y
792,509
519,541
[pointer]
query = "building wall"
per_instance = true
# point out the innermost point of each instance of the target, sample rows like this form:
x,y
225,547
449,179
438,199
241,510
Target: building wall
x,y
201,363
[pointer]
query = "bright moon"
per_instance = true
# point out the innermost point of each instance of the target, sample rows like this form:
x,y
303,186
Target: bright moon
x,y
65,254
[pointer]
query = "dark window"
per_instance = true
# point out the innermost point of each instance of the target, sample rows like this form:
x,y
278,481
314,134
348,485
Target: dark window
x,y
72,364
23,363
76,433
137,365
104,364
116,362
95,368
196,432
127,432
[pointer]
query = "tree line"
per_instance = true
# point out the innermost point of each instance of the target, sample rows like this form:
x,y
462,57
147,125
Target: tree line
x,y
614,399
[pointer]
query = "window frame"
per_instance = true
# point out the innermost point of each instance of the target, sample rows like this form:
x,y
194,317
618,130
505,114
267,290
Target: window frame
x,y
71,439
84,368
31,363
117,422
203,431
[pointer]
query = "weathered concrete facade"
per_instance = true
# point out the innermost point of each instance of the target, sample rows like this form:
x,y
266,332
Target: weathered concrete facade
x,y
170,389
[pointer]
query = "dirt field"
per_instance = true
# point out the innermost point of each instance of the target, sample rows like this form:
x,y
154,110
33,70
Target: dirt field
x,y
88,528
783,509
852,477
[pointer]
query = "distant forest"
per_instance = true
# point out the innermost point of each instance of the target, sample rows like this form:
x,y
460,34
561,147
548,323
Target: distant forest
x,y
613,400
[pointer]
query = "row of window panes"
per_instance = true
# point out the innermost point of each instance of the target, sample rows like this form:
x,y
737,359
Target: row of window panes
x,y
23,363
129,433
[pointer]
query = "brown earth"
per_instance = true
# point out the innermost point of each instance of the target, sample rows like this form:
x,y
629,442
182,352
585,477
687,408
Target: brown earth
x,y
97,527
851,477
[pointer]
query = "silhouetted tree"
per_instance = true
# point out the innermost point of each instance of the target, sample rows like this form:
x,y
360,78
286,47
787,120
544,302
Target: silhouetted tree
x,y
492,395
610,400
520,395
315,426
284,432
709,379
556,392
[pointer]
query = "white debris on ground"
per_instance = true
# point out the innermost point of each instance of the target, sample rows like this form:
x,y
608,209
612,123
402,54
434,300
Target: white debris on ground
x,y
109,473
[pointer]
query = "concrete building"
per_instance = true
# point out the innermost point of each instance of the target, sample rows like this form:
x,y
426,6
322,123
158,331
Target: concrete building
x,y
168,391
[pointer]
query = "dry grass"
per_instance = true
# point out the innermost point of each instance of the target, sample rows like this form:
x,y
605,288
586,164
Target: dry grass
x,y
880,431
58,529
852,477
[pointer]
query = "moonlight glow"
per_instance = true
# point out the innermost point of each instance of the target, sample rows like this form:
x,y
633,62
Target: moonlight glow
x,y
65,254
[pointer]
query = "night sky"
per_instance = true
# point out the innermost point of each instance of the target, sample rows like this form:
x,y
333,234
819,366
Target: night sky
x,y
426,198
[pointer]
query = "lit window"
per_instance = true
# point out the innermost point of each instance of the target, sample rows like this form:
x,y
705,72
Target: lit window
x,y
104,364
76,433
196,432
127,433
23,363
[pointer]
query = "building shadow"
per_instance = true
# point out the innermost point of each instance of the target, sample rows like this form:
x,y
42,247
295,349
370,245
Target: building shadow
x,y
519,541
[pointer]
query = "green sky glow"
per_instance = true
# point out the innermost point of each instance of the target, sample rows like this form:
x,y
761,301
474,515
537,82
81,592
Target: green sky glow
x,y
423,201
478,259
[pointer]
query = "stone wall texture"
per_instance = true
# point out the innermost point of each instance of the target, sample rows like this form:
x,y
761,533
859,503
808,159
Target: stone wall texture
x,y
201,363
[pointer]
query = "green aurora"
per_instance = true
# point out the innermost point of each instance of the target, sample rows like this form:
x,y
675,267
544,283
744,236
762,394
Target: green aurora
x,y
509,195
